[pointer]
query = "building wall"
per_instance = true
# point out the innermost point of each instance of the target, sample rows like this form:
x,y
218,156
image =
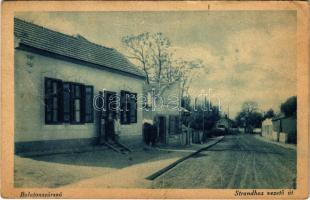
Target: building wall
x,y
167,105
223,122
267,129
289,126
30,70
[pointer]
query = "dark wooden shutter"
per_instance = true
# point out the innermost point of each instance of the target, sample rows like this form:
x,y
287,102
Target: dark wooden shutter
x,y
171,124
122,111
133,108
99,101
66,102
48,100
60,111
177,125
53,101
72,89
89,93
82,101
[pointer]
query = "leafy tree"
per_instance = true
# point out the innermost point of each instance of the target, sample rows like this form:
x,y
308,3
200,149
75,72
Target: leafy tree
x,y
269,114
249,106
249,117
289,107
202,118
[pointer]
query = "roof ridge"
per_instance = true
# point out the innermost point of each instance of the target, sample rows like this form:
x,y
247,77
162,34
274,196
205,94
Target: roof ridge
x,y
64,34
51,40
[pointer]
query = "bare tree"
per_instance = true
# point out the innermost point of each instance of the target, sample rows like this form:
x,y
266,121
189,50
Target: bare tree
x,y
156,59
138,48
249,107
152,53
160,53
185,71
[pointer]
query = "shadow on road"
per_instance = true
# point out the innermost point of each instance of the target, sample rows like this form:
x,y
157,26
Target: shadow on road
x,y
107,158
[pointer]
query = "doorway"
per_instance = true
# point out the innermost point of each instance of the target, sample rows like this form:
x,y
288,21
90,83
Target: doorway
x,y
162,129
107,115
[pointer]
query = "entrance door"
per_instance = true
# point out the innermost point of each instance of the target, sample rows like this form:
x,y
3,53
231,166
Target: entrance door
x,y
162,129
107,115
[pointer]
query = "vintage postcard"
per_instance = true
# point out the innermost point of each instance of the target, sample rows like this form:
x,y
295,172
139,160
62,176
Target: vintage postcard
x,y
135,99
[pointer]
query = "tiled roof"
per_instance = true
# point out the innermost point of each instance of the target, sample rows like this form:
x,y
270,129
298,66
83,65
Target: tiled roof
x,y
73,47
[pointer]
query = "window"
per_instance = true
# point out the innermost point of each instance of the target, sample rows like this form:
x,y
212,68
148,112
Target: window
x,y
174,127
128,107
67,102
53,101
149,100
77,92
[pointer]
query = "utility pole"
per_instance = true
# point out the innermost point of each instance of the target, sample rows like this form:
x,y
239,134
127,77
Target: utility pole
x,y
203,116
228,111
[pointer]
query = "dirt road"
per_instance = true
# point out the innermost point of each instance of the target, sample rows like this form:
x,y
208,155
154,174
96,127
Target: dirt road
x,y
238,161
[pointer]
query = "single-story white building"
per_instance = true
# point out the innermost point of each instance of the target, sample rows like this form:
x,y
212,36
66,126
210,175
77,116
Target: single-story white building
x,y
224,122
59,81
267,129
163,105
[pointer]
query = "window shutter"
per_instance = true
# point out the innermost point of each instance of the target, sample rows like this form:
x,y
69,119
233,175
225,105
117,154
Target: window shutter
x,y
48,100
60,100
89,93
122,111
171,124
53,101
82,102
177,125
72,93
99,101
133,108
66,102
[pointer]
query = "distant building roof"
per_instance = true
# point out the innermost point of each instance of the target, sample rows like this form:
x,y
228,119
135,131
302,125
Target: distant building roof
x,y
76,47
282,116
279,116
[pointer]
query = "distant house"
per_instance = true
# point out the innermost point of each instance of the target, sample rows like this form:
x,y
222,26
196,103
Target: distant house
x,y
224,122
288,125
163,106
280,128
64,88
267,128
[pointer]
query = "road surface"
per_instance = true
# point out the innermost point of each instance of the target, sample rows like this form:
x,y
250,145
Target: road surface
x,y
238,161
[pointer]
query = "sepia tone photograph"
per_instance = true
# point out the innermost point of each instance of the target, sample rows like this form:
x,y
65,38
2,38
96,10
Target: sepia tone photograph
x,y
156,99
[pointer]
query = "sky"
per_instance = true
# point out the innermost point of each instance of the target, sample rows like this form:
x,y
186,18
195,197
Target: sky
x,y
247,55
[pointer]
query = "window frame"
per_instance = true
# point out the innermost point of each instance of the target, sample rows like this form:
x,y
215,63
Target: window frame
x,y
126,106
66,94
72,103
58,95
